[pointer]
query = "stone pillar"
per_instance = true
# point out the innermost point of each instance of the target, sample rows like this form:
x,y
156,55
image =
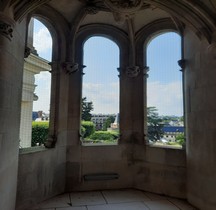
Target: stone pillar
x,y
145,75
200,77
12,42
54,104
74,101
131,105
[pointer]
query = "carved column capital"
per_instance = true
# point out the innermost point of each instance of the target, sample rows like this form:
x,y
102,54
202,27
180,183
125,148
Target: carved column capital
x,y
6,30
145,71
182,64
119,70
132,71
6,26
70,67
27,52
55,68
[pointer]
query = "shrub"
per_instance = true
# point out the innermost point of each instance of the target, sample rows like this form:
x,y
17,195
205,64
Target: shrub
x,y
39,133
104,135
82,130
89,128
180,139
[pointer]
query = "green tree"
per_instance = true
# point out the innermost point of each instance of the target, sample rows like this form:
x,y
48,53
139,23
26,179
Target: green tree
x,y
87,107
108,122
87,128
155,124
180,138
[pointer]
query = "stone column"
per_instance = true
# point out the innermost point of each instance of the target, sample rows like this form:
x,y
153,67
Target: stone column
x,y
74,72
54,104
131,105
200,77
12,42
145,75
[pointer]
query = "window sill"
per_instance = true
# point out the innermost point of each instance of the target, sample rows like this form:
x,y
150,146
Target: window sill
x,y
99,144
32,149
166,147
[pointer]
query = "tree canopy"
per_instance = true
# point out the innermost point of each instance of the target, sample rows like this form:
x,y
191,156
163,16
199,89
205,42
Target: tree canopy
x,y
108,122
155,124
87,107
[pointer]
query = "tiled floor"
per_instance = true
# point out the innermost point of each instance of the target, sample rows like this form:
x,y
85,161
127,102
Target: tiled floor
x,y
113,200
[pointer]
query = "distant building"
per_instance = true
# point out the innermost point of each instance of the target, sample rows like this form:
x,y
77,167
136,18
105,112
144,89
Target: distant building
x,y
100,119
115,125
170,132
40,116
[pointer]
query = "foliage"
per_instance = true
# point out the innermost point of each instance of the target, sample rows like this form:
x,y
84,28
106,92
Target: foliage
x,y
108,122
180,138
87,107
39,133
82,130
89,128
154,124
104,135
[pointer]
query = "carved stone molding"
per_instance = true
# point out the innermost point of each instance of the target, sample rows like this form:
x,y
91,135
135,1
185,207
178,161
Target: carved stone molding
x,y
6,30
23,7
145,71
182,64
27,52
132,71
119,70
91,10
123,9
70,67
125,6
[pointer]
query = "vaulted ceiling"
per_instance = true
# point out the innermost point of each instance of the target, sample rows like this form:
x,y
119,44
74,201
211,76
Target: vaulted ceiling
x,y
200,15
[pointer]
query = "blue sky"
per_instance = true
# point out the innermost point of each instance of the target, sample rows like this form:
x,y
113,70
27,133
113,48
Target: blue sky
x,y
101,82
42,41
164,84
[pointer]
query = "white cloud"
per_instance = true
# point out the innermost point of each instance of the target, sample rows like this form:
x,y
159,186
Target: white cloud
x,y
105,98
42,41
167,98
43,82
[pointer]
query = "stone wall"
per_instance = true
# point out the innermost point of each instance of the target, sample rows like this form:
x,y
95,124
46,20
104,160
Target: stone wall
x,y
158,170
11,70
41,175
200,83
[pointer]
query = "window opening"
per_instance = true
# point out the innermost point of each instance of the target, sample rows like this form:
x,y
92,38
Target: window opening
x,y
35,104
165,121
100,92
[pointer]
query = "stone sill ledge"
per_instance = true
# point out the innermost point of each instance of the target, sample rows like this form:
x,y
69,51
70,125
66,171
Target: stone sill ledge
x,y
32,150
98,144
165,147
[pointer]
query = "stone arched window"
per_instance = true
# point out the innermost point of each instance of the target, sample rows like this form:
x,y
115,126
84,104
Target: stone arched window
x,y
100,91
120,40
35,106
165,115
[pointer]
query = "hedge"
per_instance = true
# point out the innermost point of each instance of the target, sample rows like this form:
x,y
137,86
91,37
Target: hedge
x,y
104,135
89,128
39,132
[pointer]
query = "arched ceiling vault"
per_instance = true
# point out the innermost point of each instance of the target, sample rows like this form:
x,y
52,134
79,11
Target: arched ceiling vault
x,y
199,15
